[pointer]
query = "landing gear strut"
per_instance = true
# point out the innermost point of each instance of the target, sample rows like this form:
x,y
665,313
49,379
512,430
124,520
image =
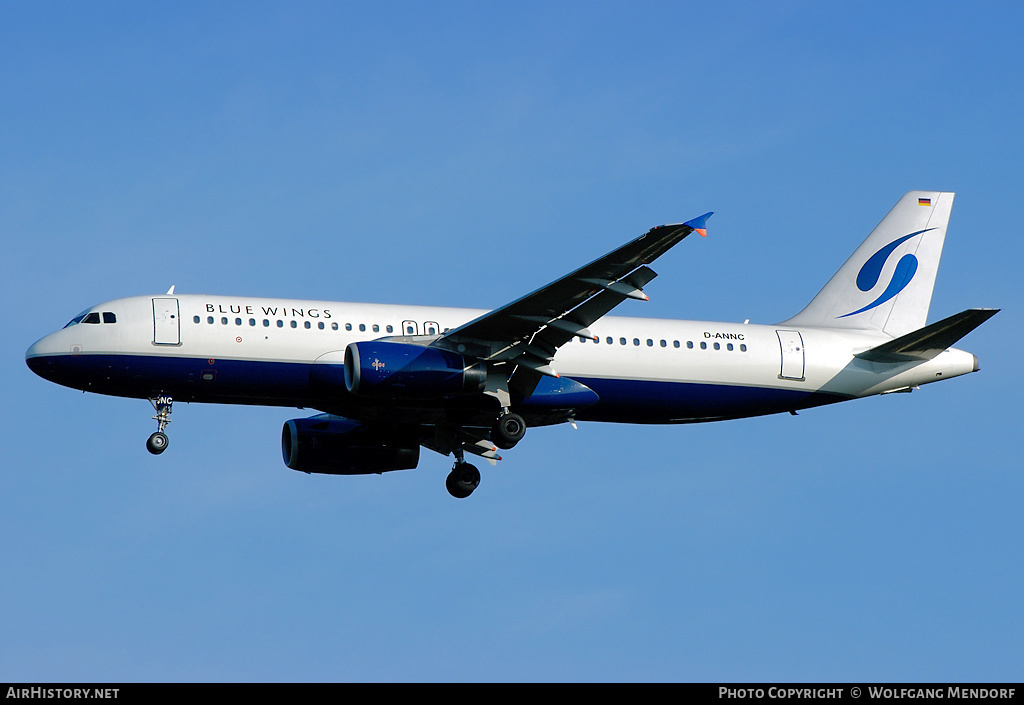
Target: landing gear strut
x,y
157,443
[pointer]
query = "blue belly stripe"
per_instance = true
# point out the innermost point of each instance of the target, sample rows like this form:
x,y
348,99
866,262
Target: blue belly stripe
x,y
642,401
288,384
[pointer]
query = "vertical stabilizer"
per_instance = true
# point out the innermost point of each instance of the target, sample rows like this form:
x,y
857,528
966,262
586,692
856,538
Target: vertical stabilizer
x,y
886,285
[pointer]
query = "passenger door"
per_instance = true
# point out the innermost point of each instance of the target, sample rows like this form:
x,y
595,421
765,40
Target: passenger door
x,y
166,329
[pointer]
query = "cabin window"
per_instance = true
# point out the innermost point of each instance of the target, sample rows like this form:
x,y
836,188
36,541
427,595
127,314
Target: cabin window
x,y
295,324
224,320
320,325
334,326
743,347
390,329
609,340
209,319
622,341
348,326
718,346
308,325
703,345
675,343
689,344
664,344
252,321
195,319
266,323
728,346
362,327
376,328
280,323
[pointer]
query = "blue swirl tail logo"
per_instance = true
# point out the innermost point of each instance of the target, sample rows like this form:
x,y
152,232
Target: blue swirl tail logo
x,y
869,274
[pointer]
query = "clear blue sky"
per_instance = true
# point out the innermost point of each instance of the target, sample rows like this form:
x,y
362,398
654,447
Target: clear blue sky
x,y
464,154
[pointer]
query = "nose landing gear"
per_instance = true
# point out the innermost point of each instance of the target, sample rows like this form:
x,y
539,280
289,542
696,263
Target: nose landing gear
x,y
157,443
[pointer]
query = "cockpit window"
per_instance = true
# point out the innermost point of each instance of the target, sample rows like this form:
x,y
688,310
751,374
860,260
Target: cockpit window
x,y
92,317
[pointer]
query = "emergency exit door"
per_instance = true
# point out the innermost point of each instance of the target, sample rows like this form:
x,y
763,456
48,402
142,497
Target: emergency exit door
x,y
792,346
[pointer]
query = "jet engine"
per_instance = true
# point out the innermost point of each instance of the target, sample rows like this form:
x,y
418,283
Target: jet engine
x,y
400,370
337,446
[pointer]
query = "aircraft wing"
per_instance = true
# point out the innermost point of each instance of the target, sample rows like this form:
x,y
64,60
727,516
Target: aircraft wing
x,y
527,332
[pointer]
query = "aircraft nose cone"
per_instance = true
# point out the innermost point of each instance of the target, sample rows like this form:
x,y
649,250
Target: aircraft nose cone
x,y
33,353
39,357
32,356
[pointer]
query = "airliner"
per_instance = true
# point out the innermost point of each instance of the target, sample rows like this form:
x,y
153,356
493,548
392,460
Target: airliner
x,y
388,380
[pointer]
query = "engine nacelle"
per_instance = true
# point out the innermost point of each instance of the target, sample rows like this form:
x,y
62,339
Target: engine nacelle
x,y
341,447
378,368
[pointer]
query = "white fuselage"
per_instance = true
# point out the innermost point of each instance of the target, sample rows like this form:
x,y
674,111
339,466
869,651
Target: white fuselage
x,y
260,351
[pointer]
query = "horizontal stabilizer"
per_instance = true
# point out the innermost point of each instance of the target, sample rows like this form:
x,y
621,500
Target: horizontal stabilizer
x,y
926,343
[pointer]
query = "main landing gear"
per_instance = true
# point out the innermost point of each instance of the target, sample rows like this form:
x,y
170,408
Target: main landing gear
x,y
463,479
157,443
506,432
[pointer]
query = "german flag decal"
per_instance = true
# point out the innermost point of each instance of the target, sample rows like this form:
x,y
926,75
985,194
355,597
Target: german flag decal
x,y
924,201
